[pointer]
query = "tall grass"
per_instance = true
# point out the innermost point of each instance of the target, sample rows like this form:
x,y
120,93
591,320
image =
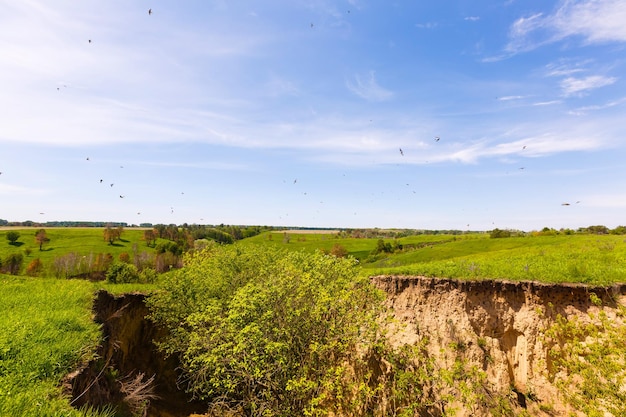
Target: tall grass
x,y
45,329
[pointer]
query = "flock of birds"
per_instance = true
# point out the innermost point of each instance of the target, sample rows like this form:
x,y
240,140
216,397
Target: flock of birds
x,y
402,152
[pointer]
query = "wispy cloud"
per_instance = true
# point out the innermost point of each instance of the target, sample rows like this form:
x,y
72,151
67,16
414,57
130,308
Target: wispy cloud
x,y
508,98
581,111
368,88
595,21
427,25
472,18
572,86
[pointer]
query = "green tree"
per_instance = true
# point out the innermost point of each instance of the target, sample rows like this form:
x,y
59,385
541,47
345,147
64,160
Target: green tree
x,y
13,236
271,332
497,233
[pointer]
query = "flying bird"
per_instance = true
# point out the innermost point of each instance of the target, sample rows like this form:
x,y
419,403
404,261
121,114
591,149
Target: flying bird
x,y
149,12
401,152
121,196
89,40
111,184
565,204
437,138
100,181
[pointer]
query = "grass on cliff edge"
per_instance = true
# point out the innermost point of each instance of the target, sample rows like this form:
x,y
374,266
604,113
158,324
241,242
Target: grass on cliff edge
x,y
45,329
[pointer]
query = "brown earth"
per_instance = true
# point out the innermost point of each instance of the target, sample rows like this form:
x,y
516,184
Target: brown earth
x,y
500,325
126,361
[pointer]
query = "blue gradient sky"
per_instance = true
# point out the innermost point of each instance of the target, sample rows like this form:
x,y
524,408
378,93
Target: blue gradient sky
x,y
294,113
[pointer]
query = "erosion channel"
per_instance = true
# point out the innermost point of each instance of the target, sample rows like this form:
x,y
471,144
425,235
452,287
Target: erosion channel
x,y
492,326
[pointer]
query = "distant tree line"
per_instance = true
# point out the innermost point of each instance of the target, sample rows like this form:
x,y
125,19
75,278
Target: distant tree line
x,y
548,231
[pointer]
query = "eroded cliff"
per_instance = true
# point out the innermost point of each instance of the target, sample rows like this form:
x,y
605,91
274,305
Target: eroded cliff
x,y
496,328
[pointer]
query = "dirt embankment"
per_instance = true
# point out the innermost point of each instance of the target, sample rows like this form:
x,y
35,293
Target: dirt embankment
x,y
128,371
500,326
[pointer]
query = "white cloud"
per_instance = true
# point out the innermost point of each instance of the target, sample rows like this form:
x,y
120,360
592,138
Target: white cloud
x,y
547,103
508,98
596,21
472,18
571,85
428,25
369,89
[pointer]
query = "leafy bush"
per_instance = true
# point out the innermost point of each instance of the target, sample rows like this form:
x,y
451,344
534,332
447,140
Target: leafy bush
x,y
122,273
13,263
269,332
13,236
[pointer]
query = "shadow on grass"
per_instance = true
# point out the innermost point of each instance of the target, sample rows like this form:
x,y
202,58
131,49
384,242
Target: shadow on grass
x,y
16,244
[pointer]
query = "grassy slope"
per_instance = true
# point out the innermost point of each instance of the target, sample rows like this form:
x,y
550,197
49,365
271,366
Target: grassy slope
x,y
593,259
45,328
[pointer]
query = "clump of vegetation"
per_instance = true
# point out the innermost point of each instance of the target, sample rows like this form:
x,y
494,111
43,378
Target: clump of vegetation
x,y
272,332
13,236
589,358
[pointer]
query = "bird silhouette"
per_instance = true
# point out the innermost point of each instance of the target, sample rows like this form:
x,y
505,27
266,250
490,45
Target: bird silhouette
x,y
401,152
437,138
565,204
149,12
121,196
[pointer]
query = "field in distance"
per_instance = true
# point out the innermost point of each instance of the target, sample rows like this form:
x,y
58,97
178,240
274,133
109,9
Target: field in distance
x,y
577,258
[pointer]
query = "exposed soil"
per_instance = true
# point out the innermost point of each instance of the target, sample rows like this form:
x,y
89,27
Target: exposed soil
x,y
500,325
128,359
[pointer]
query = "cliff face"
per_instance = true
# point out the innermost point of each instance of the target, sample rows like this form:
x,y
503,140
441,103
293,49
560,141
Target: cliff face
x,y
496,327
128,370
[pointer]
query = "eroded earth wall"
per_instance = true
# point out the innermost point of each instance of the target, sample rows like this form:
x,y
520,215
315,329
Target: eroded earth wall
x,y
496,326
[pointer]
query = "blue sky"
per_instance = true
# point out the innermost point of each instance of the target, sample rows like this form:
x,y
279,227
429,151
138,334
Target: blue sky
x,y
293,113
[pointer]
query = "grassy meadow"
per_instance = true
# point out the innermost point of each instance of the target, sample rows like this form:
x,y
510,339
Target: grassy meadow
x,y
46,327
64,240
578,258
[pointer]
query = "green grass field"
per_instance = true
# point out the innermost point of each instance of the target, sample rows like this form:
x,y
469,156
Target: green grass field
x,y
592,259
46,327
82,241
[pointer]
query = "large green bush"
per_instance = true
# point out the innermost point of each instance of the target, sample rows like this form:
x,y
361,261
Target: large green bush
x,y
272,333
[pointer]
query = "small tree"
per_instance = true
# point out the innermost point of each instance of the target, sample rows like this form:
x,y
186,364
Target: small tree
x,y
41,237
13,236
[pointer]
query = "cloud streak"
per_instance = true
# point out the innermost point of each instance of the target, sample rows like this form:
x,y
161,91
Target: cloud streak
x,y
595,21
368,88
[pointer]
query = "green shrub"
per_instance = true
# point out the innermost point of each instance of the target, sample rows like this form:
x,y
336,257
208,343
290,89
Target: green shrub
x,y
270,332
122,273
